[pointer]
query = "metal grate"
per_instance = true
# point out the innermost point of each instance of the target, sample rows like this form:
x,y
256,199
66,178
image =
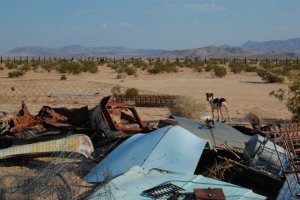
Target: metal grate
x,y
168,190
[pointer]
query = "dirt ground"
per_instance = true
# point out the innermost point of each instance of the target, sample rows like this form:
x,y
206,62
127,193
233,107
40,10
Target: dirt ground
x,y
245,92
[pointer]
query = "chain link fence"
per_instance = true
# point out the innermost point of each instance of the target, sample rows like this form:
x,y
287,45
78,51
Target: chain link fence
x,y
59,175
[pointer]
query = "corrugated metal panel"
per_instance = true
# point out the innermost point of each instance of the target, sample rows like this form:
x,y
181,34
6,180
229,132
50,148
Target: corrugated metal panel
x,y
285,192
132,184
170,148
218,136
75,143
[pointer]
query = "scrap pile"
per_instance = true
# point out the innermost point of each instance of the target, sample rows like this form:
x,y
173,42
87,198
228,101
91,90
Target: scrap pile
x,y
122,157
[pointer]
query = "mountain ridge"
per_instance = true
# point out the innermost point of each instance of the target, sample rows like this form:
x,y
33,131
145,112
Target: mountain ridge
x,y
281,49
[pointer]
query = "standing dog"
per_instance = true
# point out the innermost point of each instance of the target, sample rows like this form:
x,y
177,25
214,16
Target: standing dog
x,y
217,104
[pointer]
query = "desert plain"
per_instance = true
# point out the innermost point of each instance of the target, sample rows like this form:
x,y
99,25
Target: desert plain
x,y
245,92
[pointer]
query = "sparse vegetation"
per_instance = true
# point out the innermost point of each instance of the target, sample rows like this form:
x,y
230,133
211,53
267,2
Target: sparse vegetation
x,y
132,92
220,71
291,97
15,74
187,107
270,76
63,77
116,90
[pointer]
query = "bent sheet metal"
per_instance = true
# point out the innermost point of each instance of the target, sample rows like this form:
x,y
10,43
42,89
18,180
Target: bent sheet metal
x,y
75,143
219,134
135,183
171,148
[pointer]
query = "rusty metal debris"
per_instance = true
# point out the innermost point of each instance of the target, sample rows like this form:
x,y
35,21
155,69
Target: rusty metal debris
x,y
209,193
147,100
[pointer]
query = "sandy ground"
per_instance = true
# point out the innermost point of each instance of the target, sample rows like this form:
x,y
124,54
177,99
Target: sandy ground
x,y
245,92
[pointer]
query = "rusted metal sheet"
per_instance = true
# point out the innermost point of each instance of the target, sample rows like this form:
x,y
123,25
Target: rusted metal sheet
x,y
75,143
123,117
147,100
209,194
285,134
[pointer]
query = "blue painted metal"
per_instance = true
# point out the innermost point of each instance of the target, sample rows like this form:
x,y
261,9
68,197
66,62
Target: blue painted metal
x,y
217,136
171,148
130,186
289,192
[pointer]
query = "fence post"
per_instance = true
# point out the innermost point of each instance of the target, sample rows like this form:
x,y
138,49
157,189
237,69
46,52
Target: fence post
x,y
14,59
20,58
1,60
123,59
7,59
256,60
132,59
276,61
245,60
205,60
224,60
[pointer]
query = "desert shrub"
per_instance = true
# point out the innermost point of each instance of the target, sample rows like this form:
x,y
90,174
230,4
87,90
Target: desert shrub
x,y
63,77
269,76
159,67
116,90
130,71
236,67
25,67
291,97
209,67
89,66
198,68
250,68
68,67
132,92
220,71
187,107
15,74
140,64
11,65
49,66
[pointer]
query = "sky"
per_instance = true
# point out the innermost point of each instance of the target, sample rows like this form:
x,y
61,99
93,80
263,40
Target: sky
x,y
145,24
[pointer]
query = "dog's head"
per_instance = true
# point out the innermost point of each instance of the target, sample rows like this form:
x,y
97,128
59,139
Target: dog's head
x,y
209,96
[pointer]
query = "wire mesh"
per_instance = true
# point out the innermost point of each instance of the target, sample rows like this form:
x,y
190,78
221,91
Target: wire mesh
x,y
60,174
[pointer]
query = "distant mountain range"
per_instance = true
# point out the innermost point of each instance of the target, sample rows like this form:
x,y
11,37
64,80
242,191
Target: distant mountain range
x,y
271,49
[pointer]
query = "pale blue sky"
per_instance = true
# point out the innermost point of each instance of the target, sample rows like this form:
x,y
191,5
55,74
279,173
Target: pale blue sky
x,y
155,24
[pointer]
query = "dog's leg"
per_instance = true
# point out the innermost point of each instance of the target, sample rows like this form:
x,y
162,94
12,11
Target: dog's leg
x,y
227,110
222,117
218,110
212,111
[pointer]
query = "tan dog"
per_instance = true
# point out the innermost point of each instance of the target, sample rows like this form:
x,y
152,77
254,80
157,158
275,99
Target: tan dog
x,y
217,104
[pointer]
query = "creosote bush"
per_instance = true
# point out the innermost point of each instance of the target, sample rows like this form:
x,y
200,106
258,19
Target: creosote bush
x,y
63,77
116,90
220,71
270,76
291,97
15,74
132,92
187,107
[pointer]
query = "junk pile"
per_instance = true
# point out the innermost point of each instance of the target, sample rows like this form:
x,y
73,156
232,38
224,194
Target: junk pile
x,y
178,158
